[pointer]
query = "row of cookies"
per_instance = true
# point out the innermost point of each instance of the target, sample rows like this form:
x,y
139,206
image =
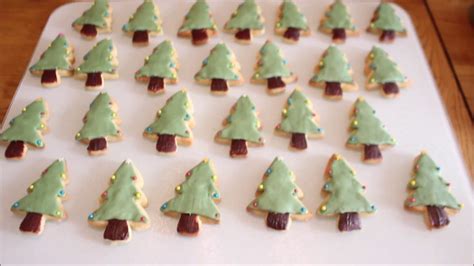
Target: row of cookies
x,y
173,123
278,198
245,22
220,69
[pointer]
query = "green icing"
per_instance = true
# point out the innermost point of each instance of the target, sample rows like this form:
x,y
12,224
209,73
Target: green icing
x,y
298,115
99,58
334,68
345,192
243,122
121,199
45,194
291,17
338,17
367,128
220,64
55,57
95,15
174,117
198,17
28,125
145,18
387,19
161,63
271,63
430,188
196,195
247,16
279,191
383,68
99,119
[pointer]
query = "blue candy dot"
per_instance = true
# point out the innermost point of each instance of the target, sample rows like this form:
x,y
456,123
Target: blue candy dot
x,y
164,206
303,210
269,171
289,101
39,142
353,139
61,193
438,168
205,61
148,129
172,65
215,195
91,216
326,186
372,207
16,204
187,117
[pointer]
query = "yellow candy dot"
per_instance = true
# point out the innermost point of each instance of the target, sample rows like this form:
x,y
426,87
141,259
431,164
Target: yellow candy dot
x,y
284,111
360,99
372,55
321,63
42,126
261,187
178,188
78,135
23,110
338,157
323,208
214,177
138,195
58,213
413,183
114,115
205,160
31,187
113,177
63,175
355,123
461,205
258,124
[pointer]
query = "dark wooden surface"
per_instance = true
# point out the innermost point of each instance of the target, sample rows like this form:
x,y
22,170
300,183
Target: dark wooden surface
x,y
442,26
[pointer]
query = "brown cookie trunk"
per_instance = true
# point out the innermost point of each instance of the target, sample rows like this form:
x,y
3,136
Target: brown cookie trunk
x,y
94,79
98,144
387,35
333,89
339,34
390,88
437,216
219,85
15,149
116,230
278,221
156,84
140,37
166,143
238,147
243,34
349,221
275,83
89,30
49,76
31,223
199,36
298,141
292,34
188,224
372,152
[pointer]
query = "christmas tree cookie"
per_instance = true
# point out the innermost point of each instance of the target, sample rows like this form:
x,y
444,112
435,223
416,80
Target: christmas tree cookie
x,y
98,18
100,125
383,73
386,23
272,69
337,22
247,21
367,133
333,74
291,23
299,122
344,195
122,205
99,63
161,67
198,24
220,70
429,193
195,199
26,129
279,198
172,124
145,22
44,199
241,127
55,62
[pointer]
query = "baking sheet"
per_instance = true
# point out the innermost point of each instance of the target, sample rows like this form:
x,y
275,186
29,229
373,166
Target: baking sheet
x,y
416,119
